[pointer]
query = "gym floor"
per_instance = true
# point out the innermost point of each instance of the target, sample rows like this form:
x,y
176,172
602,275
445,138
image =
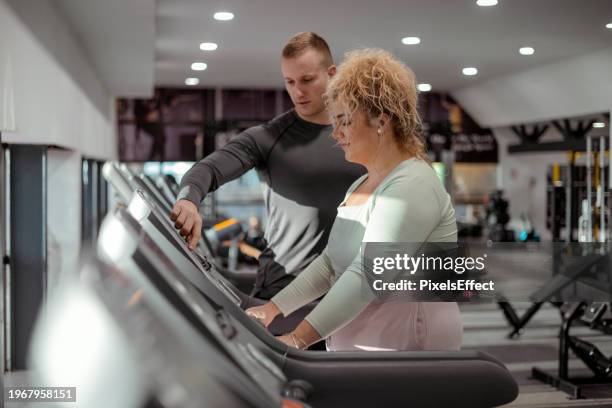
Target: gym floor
x,y
485,329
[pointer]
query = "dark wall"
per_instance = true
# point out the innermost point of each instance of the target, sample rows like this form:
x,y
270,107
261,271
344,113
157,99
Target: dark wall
x,y
181,125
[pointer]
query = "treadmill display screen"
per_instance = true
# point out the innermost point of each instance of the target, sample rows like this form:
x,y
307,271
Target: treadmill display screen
x,y
164,225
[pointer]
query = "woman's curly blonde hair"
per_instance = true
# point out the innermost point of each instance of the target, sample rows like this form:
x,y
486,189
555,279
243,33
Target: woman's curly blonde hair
x,y
375,82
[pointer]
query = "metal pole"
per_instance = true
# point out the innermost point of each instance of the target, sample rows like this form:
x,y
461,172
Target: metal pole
x,y
602,189
610,152
569,198
589,188
610,164
568,319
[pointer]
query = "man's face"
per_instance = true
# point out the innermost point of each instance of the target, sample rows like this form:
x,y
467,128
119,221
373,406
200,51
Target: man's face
x,y
306,78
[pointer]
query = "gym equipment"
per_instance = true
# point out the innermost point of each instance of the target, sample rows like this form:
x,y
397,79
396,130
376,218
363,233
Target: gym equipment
x,y
353,378
577,195
583,272
226,230
589,222
125,183
590,276
594,315
168,185
498,217
128,333
418,376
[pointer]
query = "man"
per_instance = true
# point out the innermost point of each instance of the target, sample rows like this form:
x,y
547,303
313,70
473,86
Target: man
x,y
305,177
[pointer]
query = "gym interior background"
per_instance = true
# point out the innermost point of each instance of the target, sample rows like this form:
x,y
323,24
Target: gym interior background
x,y
515,97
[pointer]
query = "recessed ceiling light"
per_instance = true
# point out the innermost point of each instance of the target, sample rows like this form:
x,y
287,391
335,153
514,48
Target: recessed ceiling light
x,y
486,3
609,25
199,66
424,87
411,40
470,71
192,81
223,16
599,125
526,50
208,46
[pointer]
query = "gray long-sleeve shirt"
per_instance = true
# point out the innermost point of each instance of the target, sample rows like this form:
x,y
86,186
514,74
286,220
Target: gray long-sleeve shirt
x,y
305,179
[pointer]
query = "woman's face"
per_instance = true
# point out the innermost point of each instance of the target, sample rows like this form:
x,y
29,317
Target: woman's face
x,y
356,134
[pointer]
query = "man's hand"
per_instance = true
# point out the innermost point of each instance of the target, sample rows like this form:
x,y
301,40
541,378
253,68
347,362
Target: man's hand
x,y
187,219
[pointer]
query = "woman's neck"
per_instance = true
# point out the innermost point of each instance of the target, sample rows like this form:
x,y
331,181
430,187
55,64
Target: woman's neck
x,y
384,162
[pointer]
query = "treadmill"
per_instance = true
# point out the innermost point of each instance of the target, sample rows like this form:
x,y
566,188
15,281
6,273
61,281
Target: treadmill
x,y
168,191
124,339
420,378
125,183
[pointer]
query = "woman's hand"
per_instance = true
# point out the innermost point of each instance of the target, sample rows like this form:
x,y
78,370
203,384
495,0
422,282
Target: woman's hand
x,y
264,313
289,340
302,337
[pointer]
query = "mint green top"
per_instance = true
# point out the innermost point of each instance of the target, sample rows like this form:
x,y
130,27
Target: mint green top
x,y
409,205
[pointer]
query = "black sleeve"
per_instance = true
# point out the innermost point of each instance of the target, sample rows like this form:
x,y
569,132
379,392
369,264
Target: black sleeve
x,y
240,155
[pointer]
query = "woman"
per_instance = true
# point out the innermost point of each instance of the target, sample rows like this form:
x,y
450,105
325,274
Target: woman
x,y
373,103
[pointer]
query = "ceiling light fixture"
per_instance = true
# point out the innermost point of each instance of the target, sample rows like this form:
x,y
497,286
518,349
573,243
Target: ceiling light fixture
x,y
199,66
470,71
599,125
223,16
411,40
526,50
486,3
609,26
192,81
208,46
424,87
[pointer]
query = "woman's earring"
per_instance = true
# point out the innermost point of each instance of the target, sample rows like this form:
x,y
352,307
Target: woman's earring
x,y
379,131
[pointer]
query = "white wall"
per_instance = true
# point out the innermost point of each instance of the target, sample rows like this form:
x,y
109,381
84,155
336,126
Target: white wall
x,y
63,215
49,92
523,179
572,87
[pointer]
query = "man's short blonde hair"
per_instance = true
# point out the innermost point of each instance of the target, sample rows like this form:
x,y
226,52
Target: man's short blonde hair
x,y
301,42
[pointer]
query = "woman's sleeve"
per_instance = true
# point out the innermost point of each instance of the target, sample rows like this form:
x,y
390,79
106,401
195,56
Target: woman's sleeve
x,y
312,283
407,210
